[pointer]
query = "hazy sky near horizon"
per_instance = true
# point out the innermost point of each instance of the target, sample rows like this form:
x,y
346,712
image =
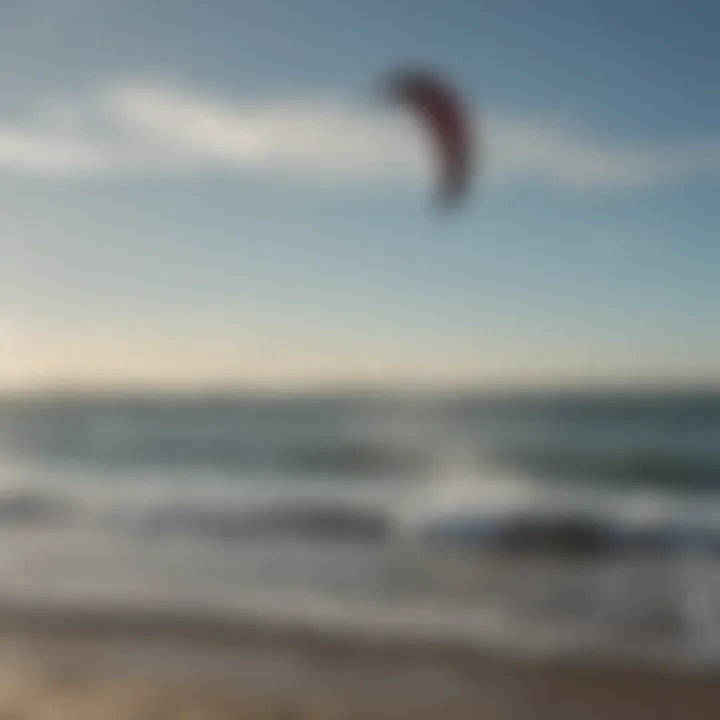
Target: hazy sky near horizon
x,y
210,192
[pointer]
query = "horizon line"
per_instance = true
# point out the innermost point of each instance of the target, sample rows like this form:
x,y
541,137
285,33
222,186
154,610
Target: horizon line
x,y
238,389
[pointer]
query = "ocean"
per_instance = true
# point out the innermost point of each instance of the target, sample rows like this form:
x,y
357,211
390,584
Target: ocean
x,y
537,523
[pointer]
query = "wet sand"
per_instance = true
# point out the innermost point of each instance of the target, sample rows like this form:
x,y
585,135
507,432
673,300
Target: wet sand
x,y
131,668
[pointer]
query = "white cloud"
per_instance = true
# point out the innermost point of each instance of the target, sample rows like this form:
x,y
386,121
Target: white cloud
x,y
563,158
27,151
323,140
143,129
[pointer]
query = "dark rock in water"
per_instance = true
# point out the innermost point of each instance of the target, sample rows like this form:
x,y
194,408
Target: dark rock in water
x,y
229,524
36,509
522,535
560,536
567,536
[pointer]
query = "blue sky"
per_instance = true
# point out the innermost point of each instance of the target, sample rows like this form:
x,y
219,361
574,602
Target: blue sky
x,y
208,193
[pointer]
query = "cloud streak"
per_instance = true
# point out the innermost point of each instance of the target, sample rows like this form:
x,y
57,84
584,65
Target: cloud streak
x,y
144,129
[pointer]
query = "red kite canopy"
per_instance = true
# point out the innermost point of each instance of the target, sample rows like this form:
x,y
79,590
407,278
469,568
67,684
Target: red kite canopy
x,y
443,114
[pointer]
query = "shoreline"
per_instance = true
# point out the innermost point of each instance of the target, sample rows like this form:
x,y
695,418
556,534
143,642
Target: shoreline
x,y
178,660
215,630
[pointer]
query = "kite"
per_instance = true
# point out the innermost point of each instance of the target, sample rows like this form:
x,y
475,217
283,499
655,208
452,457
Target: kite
x,y
439,106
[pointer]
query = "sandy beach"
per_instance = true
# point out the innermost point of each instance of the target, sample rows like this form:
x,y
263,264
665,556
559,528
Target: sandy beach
x,y
128,668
